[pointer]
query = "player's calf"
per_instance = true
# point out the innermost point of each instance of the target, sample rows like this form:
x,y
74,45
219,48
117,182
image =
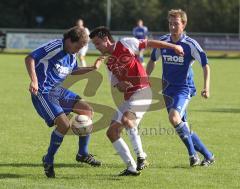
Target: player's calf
x,y
129,120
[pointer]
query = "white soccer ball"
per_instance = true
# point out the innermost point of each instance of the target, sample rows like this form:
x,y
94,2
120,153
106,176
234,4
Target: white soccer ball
x,y
81,125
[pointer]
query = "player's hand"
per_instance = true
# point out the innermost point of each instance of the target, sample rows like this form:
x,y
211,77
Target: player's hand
x,y
205,93
123,86
179,50
99,61
33,87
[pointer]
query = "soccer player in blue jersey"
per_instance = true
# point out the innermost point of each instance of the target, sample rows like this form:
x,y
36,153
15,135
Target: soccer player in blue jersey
x,y
140,32
48,66
179,85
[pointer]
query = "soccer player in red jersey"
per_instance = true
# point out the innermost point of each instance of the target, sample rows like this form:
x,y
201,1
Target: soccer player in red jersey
x,y
129,77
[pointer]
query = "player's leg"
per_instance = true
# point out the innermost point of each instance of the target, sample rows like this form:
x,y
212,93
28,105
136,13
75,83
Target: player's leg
x,y
82,53
201,148
137,106
131,122
185,135
71,102
114,135
178,106
83,108
82,62
52,113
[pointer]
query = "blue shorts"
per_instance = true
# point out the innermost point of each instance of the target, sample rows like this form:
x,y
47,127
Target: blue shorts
x,y
178,99
51,105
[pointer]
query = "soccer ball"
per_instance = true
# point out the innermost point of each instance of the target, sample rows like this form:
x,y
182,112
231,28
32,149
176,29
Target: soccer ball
x,y
81,125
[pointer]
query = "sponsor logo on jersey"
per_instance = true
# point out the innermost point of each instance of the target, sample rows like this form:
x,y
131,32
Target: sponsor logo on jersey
x,y
62,71
169,59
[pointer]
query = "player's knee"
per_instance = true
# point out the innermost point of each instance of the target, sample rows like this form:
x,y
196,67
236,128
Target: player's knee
x,y
174,117
113,134
129,120
63,124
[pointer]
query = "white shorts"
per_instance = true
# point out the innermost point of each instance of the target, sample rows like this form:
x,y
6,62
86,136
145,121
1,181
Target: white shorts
x,y
83,51
138,104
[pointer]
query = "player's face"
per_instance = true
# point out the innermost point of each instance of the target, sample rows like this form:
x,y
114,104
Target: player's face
x,y
100,44
176,26
73,47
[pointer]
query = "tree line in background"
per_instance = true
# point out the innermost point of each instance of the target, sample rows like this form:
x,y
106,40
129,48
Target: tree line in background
x,y
221,16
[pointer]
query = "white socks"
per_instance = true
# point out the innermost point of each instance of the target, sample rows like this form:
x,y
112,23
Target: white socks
x,y
124,152
136,142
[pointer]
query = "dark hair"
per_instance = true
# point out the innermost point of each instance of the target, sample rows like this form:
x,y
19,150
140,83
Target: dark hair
x,y
75,34
101,32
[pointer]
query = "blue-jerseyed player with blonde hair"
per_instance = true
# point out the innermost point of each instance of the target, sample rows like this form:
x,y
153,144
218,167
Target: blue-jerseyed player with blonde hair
x,y
48,66
179,85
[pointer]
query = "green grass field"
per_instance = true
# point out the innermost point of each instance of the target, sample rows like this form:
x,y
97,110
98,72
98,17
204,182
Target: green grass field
x,y
24,137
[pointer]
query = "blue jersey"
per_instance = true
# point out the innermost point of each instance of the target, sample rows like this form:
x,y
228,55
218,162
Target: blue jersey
x,y
140,32
177,70
52,65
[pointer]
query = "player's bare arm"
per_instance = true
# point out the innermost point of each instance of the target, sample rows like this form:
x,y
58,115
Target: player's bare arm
x,y
162,44
84,70
206,75
150,67
30,65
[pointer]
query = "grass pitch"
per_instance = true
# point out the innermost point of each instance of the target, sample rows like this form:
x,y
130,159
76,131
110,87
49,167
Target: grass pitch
x,y
24,137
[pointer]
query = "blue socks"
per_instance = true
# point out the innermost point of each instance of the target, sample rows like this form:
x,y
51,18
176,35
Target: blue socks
x,y
200,147
55,142
184,133
83,145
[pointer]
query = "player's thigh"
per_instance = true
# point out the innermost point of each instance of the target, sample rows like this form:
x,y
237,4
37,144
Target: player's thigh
x,y
114,131
62,123
83,108
178,109
71,102
131,111
47,107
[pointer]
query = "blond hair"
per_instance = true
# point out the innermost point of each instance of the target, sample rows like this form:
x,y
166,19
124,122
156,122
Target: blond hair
x,y
76,34
178,13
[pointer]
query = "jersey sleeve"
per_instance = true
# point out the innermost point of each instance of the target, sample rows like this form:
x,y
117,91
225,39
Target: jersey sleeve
x,y
45,49
38,54
133,44
198,53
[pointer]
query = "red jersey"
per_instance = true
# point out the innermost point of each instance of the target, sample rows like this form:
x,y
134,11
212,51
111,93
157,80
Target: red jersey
x,y
125,66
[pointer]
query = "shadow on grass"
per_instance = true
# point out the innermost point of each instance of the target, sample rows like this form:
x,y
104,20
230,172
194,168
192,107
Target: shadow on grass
x,y
100,176
57,165
219,110
9,175
84,165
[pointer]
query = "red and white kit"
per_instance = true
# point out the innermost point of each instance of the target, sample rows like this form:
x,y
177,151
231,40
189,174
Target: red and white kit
x,y
123,65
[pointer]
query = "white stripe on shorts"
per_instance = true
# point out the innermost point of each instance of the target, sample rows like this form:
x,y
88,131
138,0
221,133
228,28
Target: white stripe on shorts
x,y
46,107
184,107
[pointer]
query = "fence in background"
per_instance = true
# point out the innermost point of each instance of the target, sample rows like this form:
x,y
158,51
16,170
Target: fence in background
x,y
29,39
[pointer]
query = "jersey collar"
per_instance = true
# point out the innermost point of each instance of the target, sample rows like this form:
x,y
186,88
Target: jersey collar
x,y
180,39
